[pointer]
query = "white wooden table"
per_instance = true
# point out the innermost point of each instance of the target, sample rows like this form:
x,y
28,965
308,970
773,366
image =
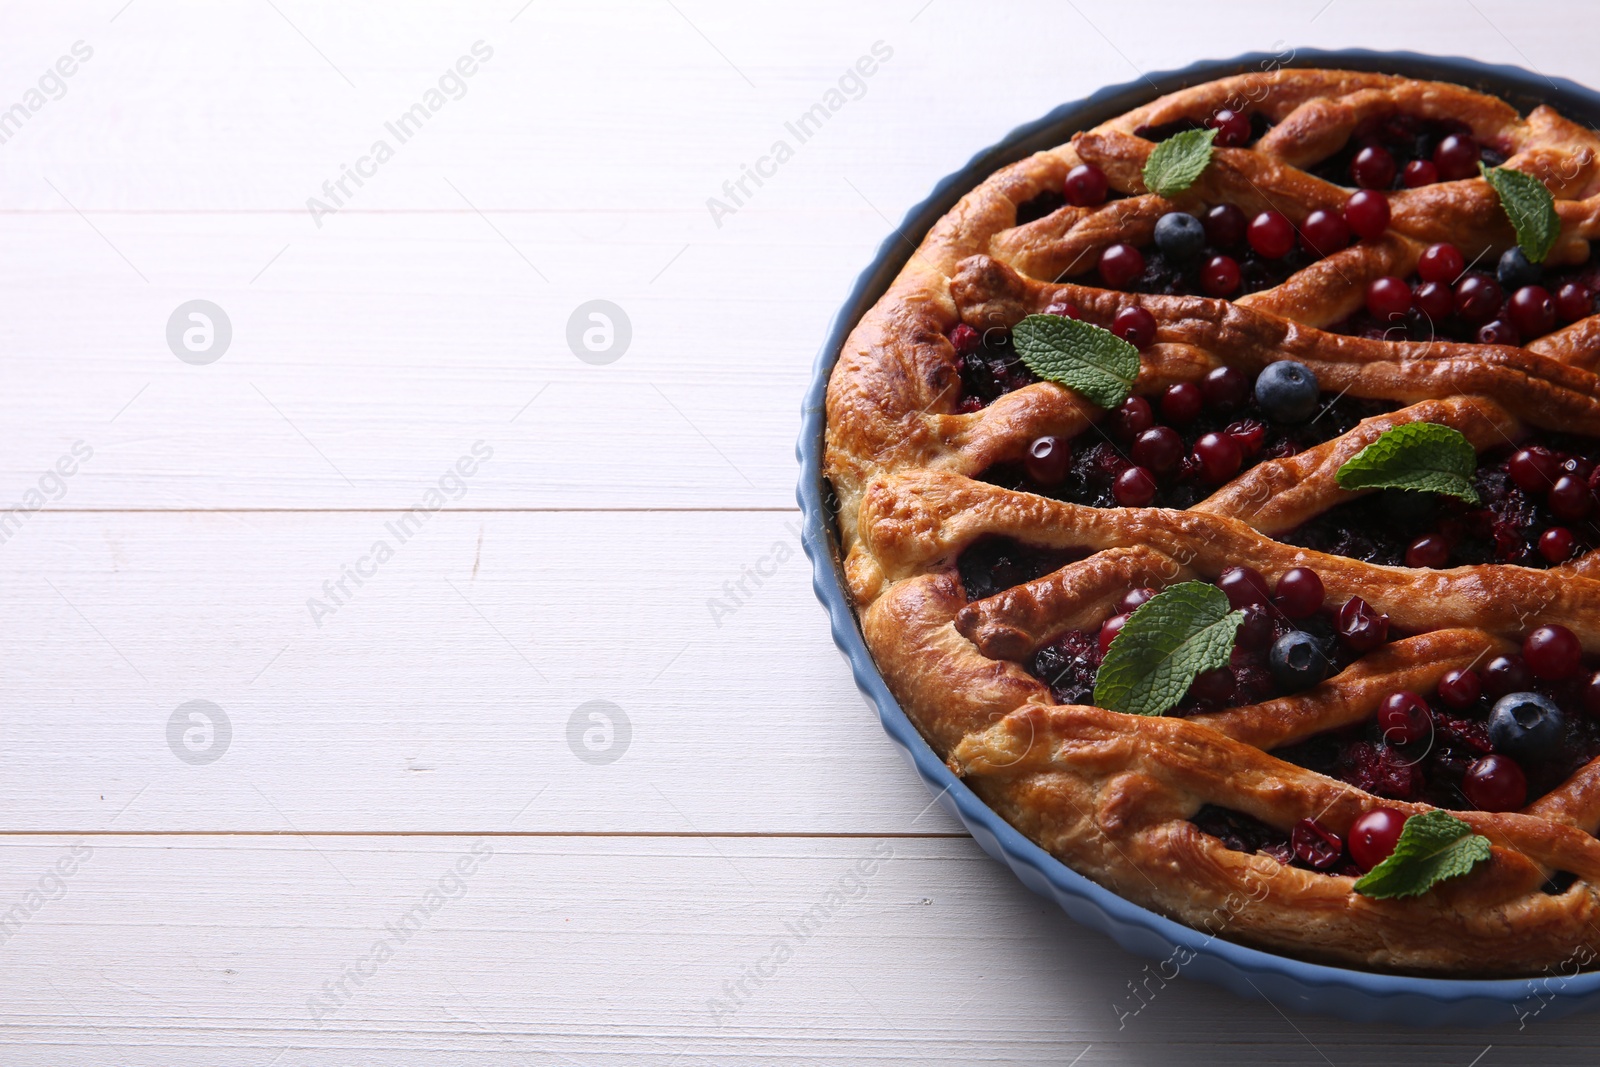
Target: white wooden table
x,y
393,835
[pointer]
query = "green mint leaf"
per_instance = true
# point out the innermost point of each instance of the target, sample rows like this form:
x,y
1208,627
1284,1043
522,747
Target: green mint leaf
x,y
1423,456
1095,362
1166,642
1529,206
1175,163
1433,846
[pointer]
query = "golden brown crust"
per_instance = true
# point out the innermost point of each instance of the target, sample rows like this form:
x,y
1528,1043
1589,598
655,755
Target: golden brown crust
x,y
1112,794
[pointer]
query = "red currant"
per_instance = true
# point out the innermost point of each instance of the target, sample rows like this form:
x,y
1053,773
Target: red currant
x,y
1134,488
1225,225
1435,300
1478,299
1534,469
1361,628
1256,631
1233,128
1086,185
1556,544
1388,298
1109,630
1552,653
1457,158
1181,403
1367,212
1120,265
1460,688
1324,233
1403,717
1048,460
1574,301
1132,417
1299,594
1244,586
1419,172
1214,687
1506,674
1220,276
1532,310
1495,783
1373,836
1158,449
1134,599
1569,498
1429,550
1225,388
1441,263
1219,457
1373,168
1135,325
1271,234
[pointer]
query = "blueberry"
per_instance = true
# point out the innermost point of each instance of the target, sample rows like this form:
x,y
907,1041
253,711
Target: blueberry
x,y
1180,236
1287,391
1525,725
1297,661
1516,270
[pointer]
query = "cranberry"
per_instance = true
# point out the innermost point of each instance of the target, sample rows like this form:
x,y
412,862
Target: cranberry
x,y
1219,457
1220,276
1271,234
1360,627
1435,300
965,339
1556,544
1134,599
1120,264
1429,550
1460,688
1574,302
1495,783
1367,213
1063,309
1048,460
1109,630
1233,128
1388,298
1256,631
1552,653
1299,594
1244,585
1136,326
1591,696
1403,717
1315,847
1373,836
1478,299
1373,168
1324,233
1498,332
1249,434
1569,498
1534,469
1225,388
1225,225
1419,172
1181,403
1214,687
1159,449
1134,488
1086,185
1457,158
1132,418
1506,674
1533,310
1441,263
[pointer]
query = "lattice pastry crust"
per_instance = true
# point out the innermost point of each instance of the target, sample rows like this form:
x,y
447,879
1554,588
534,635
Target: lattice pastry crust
x,y
1112,794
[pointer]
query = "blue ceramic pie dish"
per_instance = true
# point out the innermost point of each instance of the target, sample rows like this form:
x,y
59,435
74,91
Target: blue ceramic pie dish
x,y
1288,983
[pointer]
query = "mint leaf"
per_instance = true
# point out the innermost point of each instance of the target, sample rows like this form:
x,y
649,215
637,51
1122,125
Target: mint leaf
x,y
1095,362
1166,642
1424,456
1433,846
1529,206
1175,163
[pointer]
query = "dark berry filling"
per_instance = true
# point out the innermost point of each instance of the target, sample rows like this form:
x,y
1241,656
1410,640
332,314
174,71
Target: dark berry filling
x,y
989,369
1391,142
1309,846
992,564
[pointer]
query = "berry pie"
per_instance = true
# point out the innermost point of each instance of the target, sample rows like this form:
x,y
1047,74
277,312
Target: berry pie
x,y
1219,495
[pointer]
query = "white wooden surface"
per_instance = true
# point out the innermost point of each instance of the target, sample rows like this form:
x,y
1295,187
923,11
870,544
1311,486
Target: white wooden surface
x,y
212,909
